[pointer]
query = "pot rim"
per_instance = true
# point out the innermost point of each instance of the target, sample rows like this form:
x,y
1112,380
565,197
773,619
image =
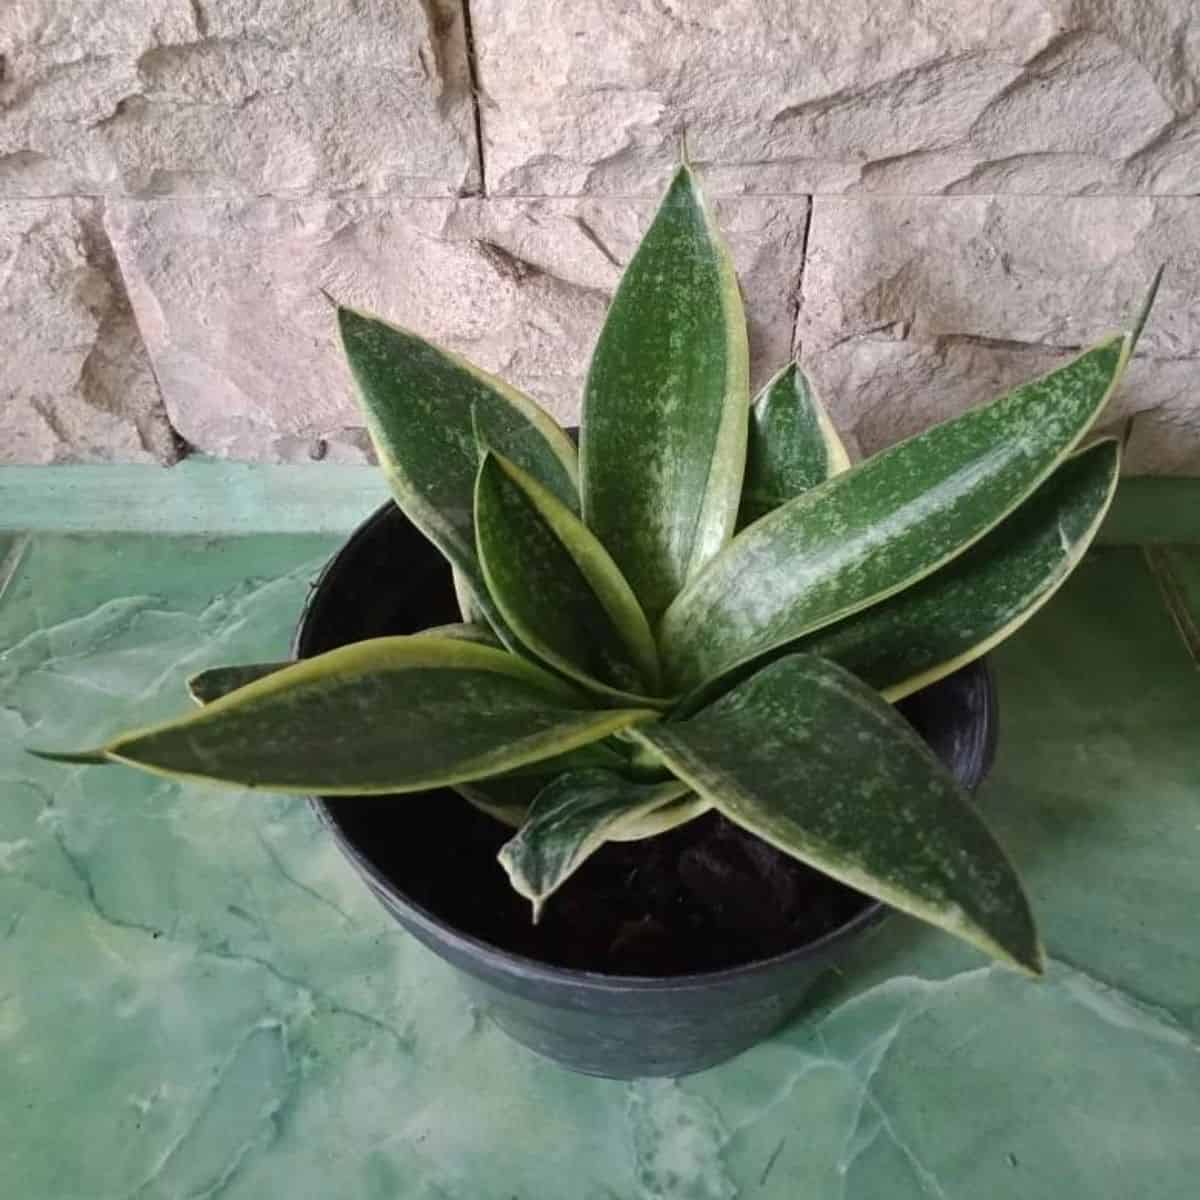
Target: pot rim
x,y
509,963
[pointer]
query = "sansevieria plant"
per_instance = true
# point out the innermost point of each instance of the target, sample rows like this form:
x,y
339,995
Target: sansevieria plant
x,y
705,607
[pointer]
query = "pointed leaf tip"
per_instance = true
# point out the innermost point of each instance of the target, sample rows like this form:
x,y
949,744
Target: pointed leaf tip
x,y
959,613
771,755
206,686
1147,304
424,406
93,758
1035,968
665,409
792,447
388,715
930,498
569,820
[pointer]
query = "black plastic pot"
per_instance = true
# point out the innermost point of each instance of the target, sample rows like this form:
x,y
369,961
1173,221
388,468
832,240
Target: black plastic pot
x,y
389,579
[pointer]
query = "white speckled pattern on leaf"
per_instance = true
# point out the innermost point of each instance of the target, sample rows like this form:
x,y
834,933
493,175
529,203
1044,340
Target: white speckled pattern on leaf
x,y
881,526
569,820
556,587
665,410
425,409
815,762
376,717
792,446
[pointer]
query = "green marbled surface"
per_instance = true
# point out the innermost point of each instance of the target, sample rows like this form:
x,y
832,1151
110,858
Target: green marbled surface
x,y
198,998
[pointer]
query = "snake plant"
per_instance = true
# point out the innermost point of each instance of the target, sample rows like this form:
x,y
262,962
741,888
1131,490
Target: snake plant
x,y
704,607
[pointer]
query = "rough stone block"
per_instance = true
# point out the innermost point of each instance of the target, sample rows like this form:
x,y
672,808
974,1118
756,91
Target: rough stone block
x,y
1164,437
244,345
916,308
1061,96
238,96
75,382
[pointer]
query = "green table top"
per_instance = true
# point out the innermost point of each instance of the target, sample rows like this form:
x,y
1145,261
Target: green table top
x,y
199,998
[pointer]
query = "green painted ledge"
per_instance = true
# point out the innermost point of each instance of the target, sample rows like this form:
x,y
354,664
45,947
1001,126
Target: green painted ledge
x,y
199,997
200,495
203,495
1154,510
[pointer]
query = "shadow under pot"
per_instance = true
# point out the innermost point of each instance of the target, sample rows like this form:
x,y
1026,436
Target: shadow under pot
x,y
658,957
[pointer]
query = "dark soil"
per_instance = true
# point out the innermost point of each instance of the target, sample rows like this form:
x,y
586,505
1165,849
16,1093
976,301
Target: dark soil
x,y
700,898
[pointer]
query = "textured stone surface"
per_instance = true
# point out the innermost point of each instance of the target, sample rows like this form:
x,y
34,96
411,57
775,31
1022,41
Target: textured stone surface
x,y
916,308
75,382
1166,440
1061,96
245,347
245,97
199,997
994,183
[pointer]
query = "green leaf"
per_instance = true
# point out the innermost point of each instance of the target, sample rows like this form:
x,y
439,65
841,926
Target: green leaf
x,y
594,754
812,760
390,715
469,606
881,526
663,437
507,797
556,587
569,821
70,758
423,406
1143,315
504,797
668,816
976,601
463,631
215,682
793,445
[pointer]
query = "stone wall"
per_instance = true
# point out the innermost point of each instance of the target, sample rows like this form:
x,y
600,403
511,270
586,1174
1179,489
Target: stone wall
x,y
927,200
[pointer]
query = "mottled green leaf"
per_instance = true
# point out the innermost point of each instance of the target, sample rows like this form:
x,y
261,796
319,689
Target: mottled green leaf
x,y
507,797
504,797
463,631
73,758
663,437
215,682
570,820
663,819
424,406
814,761
793,445
469,606
389,715
1139,323
881,526
556,587
974,602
